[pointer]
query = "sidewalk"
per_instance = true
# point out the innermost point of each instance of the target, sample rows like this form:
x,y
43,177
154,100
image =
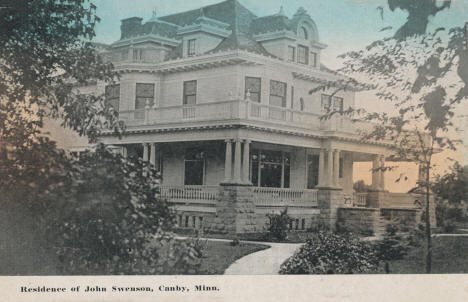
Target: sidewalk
x,y
266,262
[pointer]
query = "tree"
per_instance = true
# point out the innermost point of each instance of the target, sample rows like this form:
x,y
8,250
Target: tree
x,y
414,71
105,209
45,52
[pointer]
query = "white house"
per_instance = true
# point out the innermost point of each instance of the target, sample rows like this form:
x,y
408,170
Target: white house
x,y
218,100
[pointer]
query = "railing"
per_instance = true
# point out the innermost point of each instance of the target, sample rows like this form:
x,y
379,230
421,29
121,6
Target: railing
x,y
360,199
284,197
190,194
238,109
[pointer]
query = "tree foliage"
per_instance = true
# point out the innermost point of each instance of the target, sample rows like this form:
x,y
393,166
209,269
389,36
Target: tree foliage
x,y
46,51
278,225
98,212
423,77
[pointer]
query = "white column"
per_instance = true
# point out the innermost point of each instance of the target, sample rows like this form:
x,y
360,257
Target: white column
x,y
237,162
336,168
246,162
228,162
145,151
375,173
321,176
382,173
153,154
330,168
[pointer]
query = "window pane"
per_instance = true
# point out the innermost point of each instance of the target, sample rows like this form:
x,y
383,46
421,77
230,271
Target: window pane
x,y
145,90
277,93
194,166
303,54
326,102
254,86
191,47
190,87
190,92
338,103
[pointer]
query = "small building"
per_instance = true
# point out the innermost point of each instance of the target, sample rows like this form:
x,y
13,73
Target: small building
x,y
217,99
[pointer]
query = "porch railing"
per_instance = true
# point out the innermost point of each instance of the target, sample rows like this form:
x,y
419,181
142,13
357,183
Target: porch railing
x,y
190,194
284,197
360,199
236,109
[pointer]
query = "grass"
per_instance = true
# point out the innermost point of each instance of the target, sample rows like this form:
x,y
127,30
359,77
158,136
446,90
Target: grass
x,y
449,257
218,255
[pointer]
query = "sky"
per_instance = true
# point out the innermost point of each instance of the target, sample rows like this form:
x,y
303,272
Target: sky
x,y
343,25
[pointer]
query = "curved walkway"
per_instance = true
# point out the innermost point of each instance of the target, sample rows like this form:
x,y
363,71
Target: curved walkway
x,y
265,262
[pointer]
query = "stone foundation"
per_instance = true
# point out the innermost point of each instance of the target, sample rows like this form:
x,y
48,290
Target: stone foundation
x,y
362,221
329,200
235,211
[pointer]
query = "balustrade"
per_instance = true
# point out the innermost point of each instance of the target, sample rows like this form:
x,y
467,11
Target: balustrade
x,y
284,197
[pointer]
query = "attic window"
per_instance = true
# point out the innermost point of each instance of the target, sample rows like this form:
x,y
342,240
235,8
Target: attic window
x,y
303,33
191,47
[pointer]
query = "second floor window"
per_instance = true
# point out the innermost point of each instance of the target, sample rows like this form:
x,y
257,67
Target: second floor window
x,y
144,95
291,53
190,92
277,93
337,104
191,47
303,54
253,85
326,102
113,96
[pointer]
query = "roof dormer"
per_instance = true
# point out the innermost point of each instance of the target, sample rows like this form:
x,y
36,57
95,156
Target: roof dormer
x,y
202,35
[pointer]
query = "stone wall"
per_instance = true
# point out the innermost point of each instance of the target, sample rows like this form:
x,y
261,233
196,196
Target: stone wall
x,y
358,220
235,212
329,200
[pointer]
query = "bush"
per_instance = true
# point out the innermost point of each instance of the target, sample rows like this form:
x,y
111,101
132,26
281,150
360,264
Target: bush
x,y
278,225
329,253
112,220
391,247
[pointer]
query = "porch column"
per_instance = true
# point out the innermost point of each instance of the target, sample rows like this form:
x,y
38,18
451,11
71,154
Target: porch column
x,y
228,162
145,151
246,162
321,176
237,162
153,154
330,168
336,166
382,173
375,173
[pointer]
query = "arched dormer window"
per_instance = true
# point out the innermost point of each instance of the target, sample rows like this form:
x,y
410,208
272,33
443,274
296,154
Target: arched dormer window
x,y
303,34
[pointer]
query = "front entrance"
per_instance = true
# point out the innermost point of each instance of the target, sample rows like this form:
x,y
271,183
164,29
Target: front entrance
x,y
270,168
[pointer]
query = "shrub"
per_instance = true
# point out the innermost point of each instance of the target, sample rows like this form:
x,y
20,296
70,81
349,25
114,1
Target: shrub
x,y
113,221
278,225
392,246
329,253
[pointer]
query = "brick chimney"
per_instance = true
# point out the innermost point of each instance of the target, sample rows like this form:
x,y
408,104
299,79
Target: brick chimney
x,y
129,27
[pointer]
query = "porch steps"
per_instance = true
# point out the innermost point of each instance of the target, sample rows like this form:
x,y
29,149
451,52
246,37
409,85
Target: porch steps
x,y
379,226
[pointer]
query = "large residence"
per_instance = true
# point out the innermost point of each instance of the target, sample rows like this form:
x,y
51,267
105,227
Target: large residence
x,y
217,99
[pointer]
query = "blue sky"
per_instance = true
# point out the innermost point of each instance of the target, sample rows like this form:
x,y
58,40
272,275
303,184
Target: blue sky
x,y
343,24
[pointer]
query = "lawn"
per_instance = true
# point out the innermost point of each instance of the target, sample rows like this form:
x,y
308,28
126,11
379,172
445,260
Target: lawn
x,y
218,255
449,256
